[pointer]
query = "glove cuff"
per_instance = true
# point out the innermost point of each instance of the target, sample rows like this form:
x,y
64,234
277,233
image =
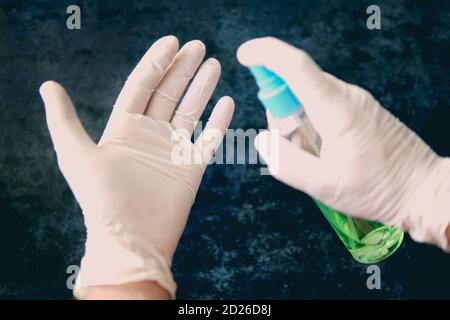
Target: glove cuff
x,y
428,208
109,261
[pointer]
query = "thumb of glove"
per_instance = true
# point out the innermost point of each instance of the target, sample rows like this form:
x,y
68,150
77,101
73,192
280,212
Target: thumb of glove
x,y
69,138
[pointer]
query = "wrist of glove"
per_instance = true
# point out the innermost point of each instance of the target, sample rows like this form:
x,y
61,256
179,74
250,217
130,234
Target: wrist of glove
x,y
116,258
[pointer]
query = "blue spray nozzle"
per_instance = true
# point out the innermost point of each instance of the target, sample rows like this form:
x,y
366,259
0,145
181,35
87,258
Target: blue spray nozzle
x,y
274,93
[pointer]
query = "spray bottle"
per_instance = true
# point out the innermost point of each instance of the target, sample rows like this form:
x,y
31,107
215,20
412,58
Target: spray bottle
x,y
367,241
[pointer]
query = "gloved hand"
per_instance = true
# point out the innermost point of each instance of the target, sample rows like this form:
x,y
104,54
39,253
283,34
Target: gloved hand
x,y
371,165
134,188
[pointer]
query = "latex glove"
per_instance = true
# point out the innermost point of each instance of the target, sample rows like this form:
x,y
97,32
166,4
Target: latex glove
x,y
135,197
371,165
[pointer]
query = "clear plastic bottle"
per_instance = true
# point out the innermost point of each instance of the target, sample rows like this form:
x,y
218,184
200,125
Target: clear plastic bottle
x,y
367,241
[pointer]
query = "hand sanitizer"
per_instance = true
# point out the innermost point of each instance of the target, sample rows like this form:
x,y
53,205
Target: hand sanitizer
x,y
367,241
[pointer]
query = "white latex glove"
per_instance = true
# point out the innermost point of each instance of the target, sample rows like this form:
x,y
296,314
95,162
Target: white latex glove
x,y
371,165
135,198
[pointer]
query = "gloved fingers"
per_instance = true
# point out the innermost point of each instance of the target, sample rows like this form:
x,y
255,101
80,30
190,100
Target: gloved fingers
x,y
197,97
143,80
305,78
210,139
288,163
68,135
174,82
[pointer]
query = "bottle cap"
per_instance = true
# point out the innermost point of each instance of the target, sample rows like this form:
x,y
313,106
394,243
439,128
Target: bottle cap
x,y
274,93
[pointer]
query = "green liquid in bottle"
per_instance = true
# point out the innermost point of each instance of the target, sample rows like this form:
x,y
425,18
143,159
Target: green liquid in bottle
x,y
368,241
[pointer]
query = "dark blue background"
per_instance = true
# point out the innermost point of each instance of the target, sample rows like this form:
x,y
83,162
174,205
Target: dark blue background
x,y
248,236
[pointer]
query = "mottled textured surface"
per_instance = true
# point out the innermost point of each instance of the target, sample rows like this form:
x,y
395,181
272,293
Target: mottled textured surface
x,y
248,236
